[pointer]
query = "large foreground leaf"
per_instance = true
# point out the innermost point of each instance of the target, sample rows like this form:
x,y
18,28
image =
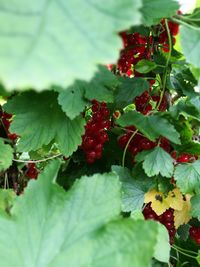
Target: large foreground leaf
x,y
39,120
45,42
190,42
49,227
6,155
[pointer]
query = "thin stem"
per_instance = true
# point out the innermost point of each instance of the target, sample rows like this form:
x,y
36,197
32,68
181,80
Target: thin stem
x,y
184,23
6,184
183,253
126,147
38,161
187,18
185,250
131,131
164,80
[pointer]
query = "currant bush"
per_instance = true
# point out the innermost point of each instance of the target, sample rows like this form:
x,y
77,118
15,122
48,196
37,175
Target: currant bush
x,y
101,127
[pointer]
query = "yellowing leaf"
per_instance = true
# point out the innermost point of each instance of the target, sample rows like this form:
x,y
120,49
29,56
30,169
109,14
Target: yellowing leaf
x,y
183,216
158,201
175,199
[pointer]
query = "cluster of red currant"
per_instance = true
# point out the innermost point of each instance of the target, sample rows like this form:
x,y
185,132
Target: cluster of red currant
x,y
96,131
143,105
137,47
139,142
6,120
195,234
167,219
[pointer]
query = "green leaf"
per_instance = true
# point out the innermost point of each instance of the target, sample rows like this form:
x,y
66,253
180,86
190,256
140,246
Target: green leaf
x,y
72,101
7,197
190,42
198,3
145,66
6,155
195,202
157,161
196,73
129,89
153,13
151,126
39,120
105,77
101,86
82,227
187,176
185,108
56,42
163,254
183,231
94,90
183,82
190,147
133,189
137,214
123,244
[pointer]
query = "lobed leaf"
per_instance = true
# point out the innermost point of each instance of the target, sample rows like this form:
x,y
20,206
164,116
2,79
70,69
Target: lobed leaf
x,y
157,161
152,126
39,120
82,227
